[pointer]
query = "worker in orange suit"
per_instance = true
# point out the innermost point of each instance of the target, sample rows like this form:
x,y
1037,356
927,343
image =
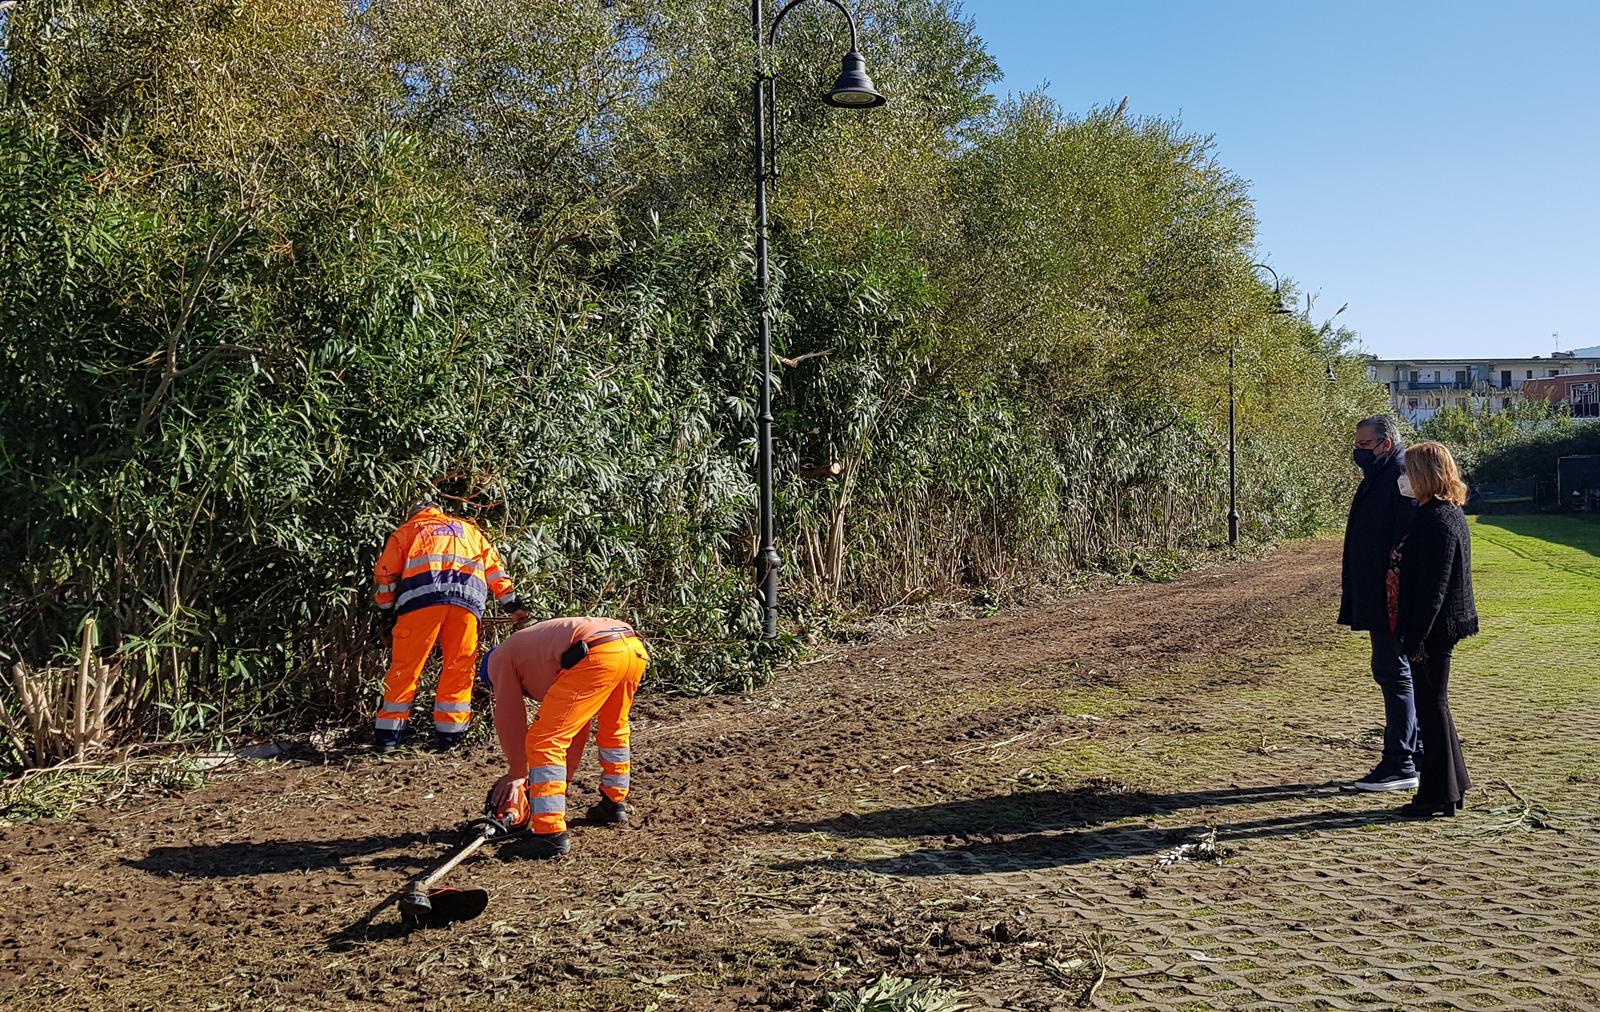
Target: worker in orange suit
x,y
577,669
434,577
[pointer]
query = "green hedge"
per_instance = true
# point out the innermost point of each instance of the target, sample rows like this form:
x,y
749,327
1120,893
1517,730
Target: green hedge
x,y
267,271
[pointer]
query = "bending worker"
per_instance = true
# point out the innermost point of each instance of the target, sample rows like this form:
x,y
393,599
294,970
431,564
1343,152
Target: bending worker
x,y
434,577
577,669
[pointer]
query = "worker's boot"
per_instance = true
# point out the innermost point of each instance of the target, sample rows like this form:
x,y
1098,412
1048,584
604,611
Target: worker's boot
x,y
538,846
609,813
443,742
386,740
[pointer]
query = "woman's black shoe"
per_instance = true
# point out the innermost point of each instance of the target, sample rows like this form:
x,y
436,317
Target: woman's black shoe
x,y
1416,809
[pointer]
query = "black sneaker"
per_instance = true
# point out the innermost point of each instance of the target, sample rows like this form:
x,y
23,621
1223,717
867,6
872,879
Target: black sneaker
x,y
538,846
609,813
1387,778
445,742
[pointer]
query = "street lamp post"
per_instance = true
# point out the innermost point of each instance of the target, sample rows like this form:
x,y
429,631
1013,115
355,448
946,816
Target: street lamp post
x,y
1233,457
853,90
1278,309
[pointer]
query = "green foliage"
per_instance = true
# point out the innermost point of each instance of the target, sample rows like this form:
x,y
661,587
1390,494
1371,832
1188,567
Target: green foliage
x,y
1533,453
267,270
63,790
1477,435
898,994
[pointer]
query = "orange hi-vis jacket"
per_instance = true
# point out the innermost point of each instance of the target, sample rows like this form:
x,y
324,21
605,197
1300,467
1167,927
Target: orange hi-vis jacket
x,y
435,558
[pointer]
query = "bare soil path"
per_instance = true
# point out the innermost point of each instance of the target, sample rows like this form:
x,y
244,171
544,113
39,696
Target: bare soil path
x,y
999,802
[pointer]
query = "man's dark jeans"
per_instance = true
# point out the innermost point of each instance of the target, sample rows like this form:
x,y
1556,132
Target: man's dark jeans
x,y
1391,669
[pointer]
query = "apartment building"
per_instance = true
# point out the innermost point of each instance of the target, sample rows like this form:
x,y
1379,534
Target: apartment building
x,y
1420,387
1578,392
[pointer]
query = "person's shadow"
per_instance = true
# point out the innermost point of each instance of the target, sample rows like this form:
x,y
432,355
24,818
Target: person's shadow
x,y
1047,829
232,860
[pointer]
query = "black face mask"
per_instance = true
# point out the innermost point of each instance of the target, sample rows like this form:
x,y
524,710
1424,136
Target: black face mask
x,y
1365,459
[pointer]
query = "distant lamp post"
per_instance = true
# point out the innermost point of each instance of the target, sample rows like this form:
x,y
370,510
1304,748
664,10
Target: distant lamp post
x,y
1278,309
852,90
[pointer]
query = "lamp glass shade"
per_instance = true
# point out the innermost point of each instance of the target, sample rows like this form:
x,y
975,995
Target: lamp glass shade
x,y
854,89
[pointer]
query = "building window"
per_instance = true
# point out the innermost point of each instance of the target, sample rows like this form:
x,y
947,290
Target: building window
x,y
1411,405
1530,374
1413,377
1505,404
1555,372
1505,379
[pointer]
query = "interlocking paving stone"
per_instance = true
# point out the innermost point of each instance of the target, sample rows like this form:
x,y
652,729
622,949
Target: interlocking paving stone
x,y
1327,902
1406,915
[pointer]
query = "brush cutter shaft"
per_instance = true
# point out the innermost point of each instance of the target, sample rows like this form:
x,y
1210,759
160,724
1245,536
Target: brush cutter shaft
x,y
466,850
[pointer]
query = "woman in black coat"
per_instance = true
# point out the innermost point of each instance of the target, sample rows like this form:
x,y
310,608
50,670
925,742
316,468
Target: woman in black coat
x,y
1433,610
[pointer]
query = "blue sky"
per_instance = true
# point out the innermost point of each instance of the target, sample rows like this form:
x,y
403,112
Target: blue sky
x,y
1435,165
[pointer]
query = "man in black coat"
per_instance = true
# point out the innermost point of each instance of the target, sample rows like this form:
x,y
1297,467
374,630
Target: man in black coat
x,y
1379,518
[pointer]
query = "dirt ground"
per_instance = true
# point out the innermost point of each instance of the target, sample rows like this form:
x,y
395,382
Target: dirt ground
x,y
1000,802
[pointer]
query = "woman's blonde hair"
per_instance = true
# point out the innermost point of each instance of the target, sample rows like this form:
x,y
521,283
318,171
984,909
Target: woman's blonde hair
x,y
1434,474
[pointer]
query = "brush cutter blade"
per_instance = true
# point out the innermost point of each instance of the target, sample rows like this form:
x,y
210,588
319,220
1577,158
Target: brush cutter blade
x,y
439,907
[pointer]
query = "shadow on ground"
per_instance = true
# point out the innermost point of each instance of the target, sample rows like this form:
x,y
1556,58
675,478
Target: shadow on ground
x,y
1037,811
232,860
1575,531
1050,829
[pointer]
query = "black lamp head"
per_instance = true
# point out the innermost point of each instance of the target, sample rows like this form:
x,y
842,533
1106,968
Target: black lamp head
x,y
854,89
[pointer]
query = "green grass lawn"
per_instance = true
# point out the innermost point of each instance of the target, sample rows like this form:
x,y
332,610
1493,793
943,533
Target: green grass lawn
x,y
1537,580
1537,583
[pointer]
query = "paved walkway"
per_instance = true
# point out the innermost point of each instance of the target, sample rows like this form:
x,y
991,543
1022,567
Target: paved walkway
x,y
1322,902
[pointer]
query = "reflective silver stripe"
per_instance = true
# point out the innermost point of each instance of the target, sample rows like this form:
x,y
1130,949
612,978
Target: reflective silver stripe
x,y
451,725
554,804
389,707
494,574
384,724
459,560
385,588
547,775
616,755
385,607
452,707
613,779
471,591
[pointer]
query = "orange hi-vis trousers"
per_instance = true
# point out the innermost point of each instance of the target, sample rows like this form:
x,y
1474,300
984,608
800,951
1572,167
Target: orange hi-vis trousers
x,y
456,631
602,684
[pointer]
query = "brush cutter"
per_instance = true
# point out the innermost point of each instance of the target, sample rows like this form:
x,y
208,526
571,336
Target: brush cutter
x,y
426,906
